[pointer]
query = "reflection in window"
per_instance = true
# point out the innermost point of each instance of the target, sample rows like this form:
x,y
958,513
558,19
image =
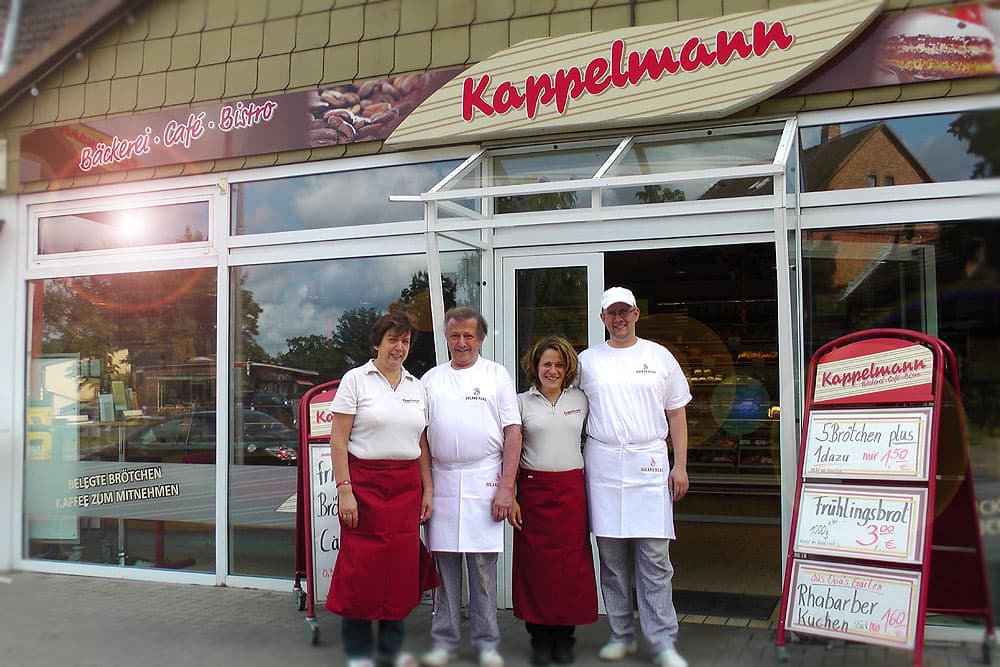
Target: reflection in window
x,y
920,149
547,167
125,228
297,325
661,155
938,278
725,188
339,199
120,418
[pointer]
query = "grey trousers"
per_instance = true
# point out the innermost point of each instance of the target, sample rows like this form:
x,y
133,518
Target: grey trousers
x,y
484,632
653,584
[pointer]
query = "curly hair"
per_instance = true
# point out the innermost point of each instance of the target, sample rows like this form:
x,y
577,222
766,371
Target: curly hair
x,y
554,342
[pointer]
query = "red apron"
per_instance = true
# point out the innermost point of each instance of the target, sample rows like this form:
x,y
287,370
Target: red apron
x,y
553,570
383,567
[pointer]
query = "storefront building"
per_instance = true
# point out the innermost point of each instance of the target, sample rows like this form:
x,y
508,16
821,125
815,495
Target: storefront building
x,y
205,210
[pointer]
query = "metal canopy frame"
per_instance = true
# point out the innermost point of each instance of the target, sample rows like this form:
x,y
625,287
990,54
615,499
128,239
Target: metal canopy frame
x,y
474,228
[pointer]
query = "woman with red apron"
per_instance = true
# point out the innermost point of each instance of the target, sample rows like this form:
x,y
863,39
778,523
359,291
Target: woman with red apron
x,y
382,467
553,585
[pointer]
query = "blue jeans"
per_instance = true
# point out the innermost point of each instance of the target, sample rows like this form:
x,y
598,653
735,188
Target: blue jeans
x,y
358,640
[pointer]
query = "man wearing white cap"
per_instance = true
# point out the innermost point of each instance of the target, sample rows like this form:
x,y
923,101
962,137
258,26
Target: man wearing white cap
x,y
637,393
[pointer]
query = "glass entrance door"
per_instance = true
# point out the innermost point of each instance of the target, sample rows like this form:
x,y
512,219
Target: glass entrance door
x,y
715,306
542,295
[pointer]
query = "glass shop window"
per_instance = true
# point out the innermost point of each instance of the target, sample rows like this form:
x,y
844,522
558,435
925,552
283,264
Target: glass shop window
x,y
337,199
935,148
120,420
124,228
297,325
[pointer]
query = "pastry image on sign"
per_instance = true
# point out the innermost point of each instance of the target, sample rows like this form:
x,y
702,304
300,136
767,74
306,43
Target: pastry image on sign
x,y
940,44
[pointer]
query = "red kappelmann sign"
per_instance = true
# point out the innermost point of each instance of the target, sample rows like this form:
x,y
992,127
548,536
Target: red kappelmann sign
x,y
621,69
875,370
328,116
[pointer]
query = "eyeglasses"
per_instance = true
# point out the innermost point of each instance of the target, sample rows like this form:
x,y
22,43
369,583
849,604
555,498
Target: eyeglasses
x,y
615,314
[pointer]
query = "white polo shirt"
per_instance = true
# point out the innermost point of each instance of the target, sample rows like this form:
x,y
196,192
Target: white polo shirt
x,y
628,390
552,435
468,409
387,422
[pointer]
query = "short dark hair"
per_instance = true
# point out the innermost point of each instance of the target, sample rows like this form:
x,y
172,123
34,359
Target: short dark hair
x,y
462,313
397,320
530,360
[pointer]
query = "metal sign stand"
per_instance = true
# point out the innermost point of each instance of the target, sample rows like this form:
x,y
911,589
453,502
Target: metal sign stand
x,y
311,433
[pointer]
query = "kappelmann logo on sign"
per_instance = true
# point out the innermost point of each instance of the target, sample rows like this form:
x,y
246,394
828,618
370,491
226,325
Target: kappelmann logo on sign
x,y
620,69
910,366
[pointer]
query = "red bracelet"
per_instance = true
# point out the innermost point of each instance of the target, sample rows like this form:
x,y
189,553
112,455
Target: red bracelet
x,y
343,482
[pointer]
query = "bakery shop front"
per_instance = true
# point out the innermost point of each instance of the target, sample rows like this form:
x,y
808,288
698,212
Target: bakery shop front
x,y
763,182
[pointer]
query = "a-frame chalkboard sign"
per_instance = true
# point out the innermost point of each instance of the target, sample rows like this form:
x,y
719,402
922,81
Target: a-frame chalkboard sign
x,y
884,526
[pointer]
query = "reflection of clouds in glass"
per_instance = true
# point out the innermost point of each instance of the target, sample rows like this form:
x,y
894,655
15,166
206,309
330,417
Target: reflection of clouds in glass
x,y
362,197
945,158
338,199
308,298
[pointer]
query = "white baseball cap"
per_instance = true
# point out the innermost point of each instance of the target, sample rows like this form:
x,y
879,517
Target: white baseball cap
x,y
617,295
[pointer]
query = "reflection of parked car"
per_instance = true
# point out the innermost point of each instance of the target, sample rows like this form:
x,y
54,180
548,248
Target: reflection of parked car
x,y
271,403
190,438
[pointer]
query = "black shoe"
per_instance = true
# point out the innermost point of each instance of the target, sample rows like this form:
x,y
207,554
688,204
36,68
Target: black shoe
x,y
563,655
539,658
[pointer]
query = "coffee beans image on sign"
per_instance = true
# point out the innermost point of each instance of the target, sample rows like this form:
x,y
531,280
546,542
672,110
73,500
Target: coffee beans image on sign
x,y
348,113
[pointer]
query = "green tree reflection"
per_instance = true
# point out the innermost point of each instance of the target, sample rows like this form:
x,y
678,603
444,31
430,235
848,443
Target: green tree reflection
x,y
981,131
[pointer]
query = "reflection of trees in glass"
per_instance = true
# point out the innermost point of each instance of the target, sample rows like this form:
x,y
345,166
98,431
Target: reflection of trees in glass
x,y
348,345
981,131
549,201
417,299
314,353
131,321
657,194
352,332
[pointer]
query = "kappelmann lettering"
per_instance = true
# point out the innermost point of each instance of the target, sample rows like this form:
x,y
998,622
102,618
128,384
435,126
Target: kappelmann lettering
x,y
874,374
621,70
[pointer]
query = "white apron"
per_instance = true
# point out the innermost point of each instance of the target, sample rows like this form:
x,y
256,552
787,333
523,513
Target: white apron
x,y
463,508
628,491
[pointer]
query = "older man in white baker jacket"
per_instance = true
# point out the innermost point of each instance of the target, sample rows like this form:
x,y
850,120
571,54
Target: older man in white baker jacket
x,y
474,432
637,394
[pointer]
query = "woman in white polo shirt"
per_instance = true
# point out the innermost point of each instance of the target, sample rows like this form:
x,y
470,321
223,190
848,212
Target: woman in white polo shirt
x,y
382,466
553,585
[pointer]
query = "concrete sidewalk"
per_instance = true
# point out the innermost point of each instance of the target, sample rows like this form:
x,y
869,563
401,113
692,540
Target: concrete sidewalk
x,y
53,620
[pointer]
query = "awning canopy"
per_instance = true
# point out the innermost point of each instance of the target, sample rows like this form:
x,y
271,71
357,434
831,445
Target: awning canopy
x,y
685,172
